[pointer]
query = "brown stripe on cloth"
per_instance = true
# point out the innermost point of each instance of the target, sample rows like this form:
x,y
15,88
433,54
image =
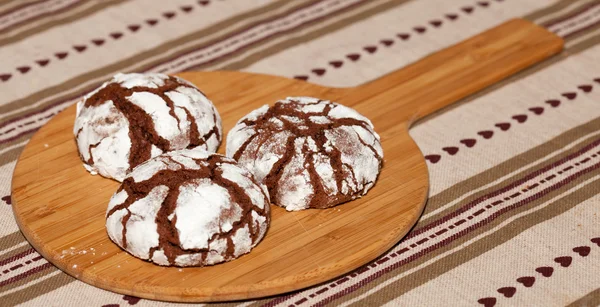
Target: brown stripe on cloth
x,y
16,254
593,39
31,124
36,272
36,289
577,10
40,5
530,157
592,28
556,7
20,137
48,110
23,275
257,42
13,154
11,240
558,186
43,22
13,20
524,186
250,58
10,6
15,139
590,299
127,64
479,246
574,21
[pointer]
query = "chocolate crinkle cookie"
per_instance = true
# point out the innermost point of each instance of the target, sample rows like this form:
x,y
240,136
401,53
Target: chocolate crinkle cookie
x,y
310,153
188,208
135,117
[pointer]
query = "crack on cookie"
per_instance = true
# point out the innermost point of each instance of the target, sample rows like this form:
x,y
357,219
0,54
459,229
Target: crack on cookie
x,y
272,178
201,140
91,158
371,147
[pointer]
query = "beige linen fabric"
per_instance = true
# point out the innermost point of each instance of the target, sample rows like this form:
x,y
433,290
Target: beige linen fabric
x,y
513,214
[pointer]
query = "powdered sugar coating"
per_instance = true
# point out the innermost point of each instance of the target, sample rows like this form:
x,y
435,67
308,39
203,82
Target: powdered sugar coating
x,y
188,208
135,117
310,153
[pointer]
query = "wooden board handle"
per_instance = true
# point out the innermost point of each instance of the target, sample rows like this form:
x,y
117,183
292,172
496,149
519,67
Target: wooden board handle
x,y
463,69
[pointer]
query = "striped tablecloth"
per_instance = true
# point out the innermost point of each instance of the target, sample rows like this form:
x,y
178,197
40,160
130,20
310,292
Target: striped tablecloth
x,y
513,217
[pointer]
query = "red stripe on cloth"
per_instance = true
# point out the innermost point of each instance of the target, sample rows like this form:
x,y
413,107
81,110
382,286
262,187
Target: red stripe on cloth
x,y
20,7
24,275
239,32
506,188
17,256
20,134
569,16
309,21
595,24
40,15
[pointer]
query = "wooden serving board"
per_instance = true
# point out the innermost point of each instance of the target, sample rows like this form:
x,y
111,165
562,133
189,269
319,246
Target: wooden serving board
x,y
60,208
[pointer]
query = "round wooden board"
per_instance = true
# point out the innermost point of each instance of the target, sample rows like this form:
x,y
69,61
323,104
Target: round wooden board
x,y
60,208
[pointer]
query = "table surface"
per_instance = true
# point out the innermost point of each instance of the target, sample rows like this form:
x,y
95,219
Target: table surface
x,y
513,213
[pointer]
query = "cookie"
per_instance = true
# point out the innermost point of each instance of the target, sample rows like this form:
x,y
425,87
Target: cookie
x,y
135,117
188,208
310,153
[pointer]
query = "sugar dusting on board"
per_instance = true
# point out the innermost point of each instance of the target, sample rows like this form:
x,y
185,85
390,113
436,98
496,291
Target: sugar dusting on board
x,y
73,251
87,253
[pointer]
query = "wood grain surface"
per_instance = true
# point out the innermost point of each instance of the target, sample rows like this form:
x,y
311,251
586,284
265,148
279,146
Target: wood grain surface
x,y
60,207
